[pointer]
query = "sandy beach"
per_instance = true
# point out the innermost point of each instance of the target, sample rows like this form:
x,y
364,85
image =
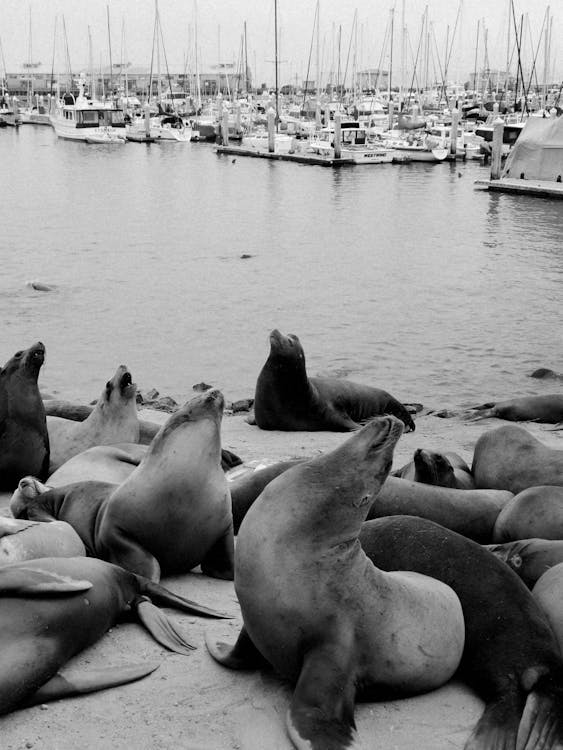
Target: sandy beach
x,y
191,702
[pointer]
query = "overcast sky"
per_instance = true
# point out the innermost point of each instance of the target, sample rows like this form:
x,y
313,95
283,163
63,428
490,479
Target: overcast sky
x,y
220,26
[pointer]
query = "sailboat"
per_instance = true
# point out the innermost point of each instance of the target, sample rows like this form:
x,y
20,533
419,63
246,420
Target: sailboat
x,y
35,113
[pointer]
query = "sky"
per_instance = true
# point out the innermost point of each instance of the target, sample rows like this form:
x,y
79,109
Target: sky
x,y
347,31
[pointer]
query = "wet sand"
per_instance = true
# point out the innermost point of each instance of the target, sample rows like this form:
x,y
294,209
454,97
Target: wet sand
x,y
193,703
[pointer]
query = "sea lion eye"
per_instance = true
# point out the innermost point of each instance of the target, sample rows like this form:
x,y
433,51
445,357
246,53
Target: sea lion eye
x,y
18,354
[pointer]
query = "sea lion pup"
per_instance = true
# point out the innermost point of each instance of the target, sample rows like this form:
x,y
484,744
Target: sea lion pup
x,y
548,408
440,469
24,440
68,410
511,657
529,558
172,512
54,608
319,611
27,540
510,458
112,420
286,399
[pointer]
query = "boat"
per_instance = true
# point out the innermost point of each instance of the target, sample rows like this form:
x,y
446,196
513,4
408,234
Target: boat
x,y
354,144
258,141
36,114
161,128
468,144
9,113
83,119
413,146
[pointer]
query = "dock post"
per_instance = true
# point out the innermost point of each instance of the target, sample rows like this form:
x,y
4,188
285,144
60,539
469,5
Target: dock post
x,y
496,152
225,127
390,112
271,131
337,135
453,132
318,120
238,120
147,109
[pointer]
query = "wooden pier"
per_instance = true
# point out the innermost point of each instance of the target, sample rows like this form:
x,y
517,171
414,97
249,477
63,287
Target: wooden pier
x,y
541,188
313,159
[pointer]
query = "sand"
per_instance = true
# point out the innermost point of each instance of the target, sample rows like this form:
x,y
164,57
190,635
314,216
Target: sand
x,y
192,703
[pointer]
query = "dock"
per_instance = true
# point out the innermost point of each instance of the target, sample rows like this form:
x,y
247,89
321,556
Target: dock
x,y
541,188
312,159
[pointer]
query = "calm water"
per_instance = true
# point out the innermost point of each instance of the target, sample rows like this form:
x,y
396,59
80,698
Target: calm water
x,y
404,277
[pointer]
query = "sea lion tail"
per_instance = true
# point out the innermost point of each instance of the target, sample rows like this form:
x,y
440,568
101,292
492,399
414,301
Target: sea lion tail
x,y
64,687
167,598
161,627
541,725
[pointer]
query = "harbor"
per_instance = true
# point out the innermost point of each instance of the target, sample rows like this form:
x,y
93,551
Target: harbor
x,y
378,186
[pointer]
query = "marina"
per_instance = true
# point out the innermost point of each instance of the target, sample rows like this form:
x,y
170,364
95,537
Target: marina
x,y
293,407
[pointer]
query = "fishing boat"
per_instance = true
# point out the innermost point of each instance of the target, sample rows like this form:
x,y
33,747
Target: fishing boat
x,y
83,119
354,144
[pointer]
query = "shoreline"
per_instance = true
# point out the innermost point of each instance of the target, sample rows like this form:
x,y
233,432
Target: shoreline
x,y
195,704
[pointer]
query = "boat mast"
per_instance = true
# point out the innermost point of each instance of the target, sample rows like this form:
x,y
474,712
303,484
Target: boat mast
x,y
245,62
475,65
276,60
110,60
402,81
30,67
198,85
318,54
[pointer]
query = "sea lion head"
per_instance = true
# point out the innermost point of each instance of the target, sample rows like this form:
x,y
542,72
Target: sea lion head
x,y
433,468
206,407
286,349
119,388
27,490
26,362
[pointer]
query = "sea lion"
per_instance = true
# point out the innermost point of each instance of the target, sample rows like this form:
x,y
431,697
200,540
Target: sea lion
x,y
319,611
529,558
535,512
28,540
147,429
472,513
24,440
286,399
441,469
548,592
510,657
246,488
510,458
103,463
547,408
112,420
172,512
53,608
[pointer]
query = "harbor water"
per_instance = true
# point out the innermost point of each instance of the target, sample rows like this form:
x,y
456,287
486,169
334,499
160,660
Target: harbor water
x,y
401,276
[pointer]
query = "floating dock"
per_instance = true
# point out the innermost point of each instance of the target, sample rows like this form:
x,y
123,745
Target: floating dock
x,y
541,188
313,159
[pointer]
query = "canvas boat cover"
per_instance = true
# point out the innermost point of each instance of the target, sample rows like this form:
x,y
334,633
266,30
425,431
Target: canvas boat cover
x,y
538,152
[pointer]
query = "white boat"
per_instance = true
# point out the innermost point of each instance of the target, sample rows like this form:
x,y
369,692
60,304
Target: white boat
x,y
412,147
468,143
258,141
82,119
355,145
165,128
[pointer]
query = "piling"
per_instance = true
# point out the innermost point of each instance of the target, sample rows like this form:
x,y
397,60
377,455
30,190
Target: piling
x,y
271,131
453,132
147,109
225,127
391,113
496,150
337,135
318,120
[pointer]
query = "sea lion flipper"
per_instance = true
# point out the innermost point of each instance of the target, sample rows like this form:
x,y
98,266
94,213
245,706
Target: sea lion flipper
x,y
29,581
121,550
62,687
321,715
219,562
162,628
541,725
242,655
497,728
9,526
167,598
